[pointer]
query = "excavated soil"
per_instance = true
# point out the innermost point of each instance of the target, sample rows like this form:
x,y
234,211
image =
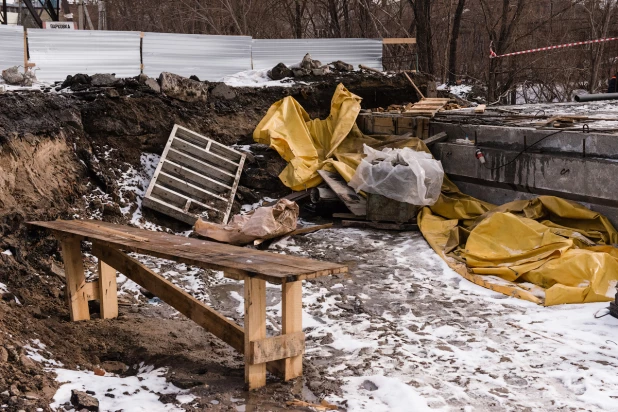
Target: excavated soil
x,y
56,150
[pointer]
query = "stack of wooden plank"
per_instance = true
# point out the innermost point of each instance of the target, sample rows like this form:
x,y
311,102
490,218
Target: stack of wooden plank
x,y
427,107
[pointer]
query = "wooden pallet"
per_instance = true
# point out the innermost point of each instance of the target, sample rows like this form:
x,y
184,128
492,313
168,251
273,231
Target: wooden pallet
x,y
196,177
427,107
281,354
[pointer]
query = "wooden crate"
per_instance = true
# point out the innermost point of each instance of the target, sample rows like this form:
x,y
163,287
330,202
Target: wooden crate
x,y
394,124
196,177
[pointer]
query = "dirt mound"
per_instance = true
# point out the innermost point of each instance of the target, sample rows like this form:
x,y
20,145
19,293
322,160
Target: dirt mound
x,y
62,155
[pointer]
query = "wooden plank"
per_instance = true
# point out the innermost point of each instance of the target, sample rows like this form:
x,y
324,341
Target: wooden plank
x,y
272,267
277,347
310,229
420,95
111,231
356,203
91,290
171,294
480,108
75,277
255,330
365,224
108,291
399,40
191,189
200,166
169,209
436,138
205,156
348,216
292,323
194,177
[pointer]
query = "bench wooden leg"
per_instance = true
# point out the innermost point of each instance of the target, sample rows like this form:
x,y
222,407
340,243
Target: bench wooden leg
x,y
75,278
292,322
108,291
255,329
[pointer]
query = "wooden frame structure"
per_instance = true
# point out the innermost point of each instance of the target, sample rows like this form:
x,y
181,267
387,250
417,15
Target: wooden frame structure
x,y
281,355
196,176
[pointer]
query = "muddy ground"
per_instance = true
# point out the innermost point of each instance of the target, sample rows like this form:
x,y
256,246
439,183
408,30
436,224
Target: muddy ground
x,y
62,155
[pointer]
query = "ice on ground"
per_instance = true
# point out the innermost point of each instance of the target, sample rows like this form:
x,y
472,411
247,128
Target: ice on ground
x,y
137,181
257,78
132,393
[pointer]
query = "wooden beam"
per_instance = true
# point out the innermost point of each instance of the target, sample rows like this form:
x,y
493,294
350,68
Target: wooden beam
x,y
480,108
75,277
437,138
180,300
399,40
108,291
255,330
354,202
277,347
91,289
420,95
292,323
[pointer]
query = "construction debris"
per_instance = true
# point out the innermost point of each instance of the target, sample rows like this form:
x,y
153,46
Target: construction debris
x,y
263,223
184,89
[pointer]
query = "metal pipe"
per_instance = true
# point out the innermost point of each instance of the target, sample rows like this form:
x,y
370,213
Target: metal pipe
x,y
596,97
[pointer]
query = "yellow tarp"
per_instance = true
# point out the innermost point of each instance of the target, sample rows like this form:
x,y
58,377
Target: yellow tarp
x,y
547,250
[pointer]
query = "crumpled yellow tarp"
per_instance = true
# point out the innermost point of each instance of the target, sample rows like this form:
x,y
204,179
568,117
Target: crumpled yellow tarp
x,y
547,250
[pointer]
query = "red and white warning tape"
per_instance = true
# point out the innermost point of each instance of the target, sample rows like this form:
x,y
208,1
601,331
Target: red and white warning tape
x,y
493,55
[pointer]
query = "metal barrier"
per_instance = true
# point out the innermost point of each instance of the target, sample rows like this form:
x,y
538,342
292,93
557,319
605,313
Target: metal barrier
x,y
11,46
207,57
59,53
268,53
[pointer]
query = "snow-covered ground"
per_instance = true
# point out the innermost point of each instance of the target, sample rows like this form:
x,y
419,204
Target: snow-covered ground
x,y
257,78
460,91
402,332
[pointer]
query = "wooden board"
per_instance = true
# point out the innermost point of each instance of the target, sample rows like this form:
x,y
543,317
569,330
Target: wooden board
x,y
171,294
272,267
277,348
399,40
437,138
255,330
356,203
196,177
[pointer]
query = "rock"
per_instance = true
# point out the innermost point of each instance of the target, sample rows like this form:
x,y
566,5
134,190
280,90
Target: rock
x,y
26,361
167,398
114,367
370,386
194,77
13,76
31,396
308,63
4,355
223,91
111,209
153,84
318,72
81,400
112,93
280,71
300,72
181,88
13,390
99,372
106,80
343,66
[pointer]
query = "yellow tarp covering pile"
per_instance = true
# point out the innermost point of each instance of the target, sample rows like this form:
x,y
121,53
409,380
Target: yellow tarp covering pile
x,y
546,250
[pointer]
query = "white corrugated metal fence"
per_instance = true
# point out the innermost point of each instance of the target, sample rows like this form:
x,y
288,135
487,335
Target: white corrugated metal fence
x,y
267,53
58,53
11,46
207,57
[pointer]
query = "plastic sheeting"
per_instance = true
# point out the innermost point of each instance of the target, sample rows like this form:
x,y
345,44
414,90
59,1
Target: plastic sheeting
x,y
59,53
547,250
11,46
205,56
404,175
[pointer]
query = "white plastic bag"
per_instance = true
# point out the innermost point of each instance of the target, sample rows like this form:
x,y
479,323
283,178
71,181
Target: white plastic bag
x,y
400,174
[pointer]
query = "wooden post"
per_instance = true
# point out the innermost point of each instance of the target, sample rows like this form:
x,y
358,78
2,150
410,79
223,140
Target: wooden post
x,y
108,291
255,329
75,278
292,322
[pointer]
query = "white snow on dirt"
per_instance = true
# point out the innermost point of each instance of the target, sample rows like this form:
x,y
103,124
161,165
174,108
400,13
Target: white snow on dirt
x,y
257,78
137,181
133,393
460,91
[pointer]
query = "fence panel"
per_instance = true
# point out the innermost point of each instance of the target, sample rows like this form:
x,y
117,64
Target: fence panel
x,y
205,56
59,53
11,46
267,53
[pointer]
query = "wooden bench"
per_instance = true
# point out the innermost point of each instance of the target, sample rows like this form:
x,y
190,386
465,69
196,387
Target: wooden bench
x,y
281,355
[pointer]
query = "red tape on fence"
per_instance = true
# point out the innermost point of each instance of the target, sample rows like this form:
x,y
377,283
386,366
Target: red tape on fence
x,y
493,55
